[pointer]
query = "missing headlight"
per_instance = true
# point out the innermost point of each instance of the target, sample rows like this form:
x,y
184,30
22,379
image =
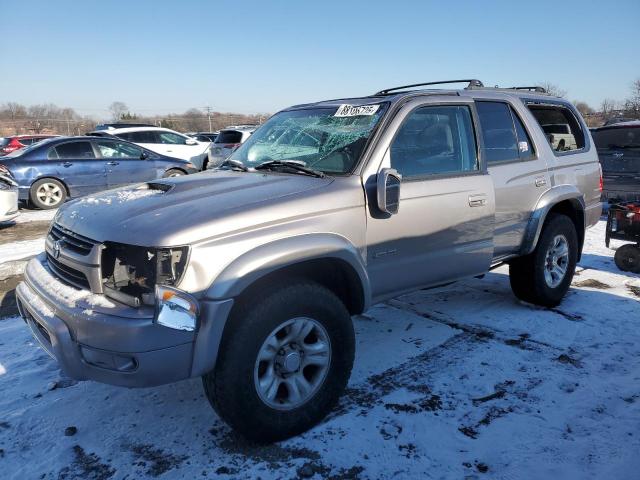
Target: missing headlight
x,y
131,273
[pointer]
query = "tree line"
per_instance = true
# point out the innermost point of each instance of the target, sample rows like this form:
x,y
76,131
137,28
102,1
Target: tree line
x,y
16,118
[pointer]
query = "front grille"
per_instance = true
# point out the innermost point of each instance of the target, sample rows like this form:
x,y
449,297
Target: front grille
x,y
68,275
72,241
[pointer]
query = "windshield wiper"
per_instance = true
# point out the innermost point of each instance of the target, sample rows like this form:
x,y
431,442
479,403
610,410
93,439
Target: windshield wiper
x,y
234,165
290,165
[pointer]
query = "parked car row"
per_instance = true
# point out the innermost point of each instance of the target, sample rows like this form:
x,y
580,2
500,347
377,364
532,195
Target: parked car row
x,y
50,171
160,140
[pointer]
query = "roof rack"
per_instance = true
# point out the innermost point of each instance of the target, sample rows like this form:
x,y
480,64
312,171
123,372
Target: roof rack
x,y
471,83
530,89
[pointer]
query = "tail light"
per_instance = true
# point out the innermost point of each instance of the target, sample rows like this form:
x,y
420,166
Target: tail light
x,y
601,180
12,146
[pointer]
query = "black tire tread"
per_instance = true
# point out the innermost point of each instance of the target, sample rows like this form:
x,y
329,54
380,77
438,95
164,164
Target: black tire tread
x,y
526,275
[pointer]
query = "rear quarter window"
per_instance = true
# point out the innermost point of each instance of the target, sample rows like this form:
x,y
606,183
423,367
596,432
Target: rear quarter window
x,y
560,126
229,136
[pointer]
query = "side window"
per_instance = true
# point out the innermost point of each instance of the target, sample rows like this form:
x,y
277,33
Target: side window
x,y
110,149
496,122
75,150
525,147
139,137
169,138
560,127
435,140
52,154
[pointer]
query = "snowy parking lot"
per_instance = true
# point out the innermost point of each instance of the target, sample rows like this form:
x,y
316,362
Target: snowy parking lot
x,y
458,382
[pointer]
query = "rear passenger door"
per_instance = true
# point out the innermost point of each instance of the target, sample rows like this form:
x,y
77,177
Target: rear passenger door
x,y
520,176
443,229
78,167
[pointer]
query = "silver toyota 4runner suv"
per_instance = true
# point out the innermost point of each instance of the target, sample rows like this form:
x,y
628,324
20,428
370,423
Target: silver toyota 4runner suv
x,y
248,276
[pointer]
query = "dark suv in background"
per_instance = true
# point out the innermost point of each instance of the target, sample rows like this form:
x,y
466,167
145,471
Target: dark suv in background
x,y
619,151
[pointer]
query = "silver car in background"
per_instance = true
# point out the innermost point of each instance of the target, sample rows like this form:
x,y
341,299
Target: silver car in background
x,y
8,196
227,141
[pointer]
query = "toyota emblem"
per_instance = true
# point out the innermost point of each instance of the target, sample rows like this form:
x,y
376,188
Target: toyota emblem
x,y
56,248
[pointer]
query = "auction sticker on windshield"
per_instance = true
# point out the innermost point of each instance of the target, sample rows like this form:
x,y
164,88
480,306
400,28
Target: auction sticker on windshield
x,y
346,110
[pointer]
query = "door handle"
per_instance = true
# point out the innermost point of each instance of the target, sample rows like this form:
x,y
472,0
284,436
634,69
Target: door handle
x,y
477,200
540,182
618,155
113,163
67,164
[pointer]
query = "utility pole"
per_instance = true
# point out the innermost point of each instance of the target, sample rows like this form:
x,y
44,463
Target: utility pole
x,y
208,110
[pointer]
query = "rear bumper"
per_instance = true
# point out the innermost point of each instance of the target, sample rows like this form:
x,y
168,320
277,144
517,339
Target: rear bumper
x,y
592,214
97,339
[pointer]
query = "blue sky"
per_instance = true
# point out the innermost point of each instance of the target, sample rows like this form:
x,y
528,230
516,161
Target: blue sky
x,y
245,56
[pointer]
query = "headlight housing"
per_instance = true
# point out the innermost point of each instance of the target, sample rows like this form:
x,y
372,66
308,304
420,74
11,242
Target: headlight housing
x,y
176,309
130,273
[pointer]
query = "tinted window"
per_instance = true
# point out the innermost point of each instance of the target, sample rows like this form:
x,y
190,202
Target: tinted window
x,y
496,122
74,150
110,149
435,140
525,147
617,138
560,126
229,136
171,138
139,137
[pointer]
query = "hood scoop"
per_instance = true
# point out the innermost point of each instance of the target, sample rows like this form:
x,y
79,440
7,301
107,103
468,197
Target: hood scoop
x,y
157,186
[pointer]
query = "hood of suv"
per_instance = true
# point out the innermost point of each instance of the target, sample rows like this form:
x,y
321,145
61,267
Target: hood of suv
x,y
181,210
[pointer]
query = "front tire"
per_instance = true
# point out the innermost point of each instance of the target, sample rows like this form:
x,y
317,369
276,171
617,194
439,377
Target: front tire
x,y
543,277
173,172
284,361
47,193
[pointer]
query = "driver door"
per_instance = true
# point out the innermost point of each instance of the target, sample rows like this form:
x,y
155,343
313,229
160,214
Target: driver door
x,y
125,163
443,230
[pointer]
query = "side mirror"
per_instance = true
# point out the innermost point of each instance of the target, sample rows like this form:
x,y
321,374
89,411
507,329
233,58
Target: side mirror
x,y
144,156
191,141
388,189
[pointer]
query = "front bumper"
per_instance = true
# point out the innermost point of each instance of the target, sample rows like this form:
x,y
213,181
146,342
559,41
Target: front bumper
x,y
94,338
8,204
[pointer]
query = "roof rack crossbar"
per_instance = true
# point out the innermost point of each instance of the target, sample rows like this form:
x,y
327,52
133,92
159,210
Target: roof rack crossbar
x,y
471,83
531,89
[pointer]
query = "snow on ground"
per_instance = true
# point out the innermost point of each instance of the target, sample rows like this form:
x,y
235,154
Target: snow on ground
x,y
458,382
10,252
27,215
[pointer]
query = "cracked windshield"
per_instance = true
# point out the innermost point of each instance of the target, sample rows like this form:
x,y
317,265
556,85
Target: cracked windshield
x,y
329,140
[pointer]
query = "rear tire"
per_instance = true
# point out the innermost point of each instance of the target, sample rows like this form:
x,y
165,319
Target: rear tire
x,y
47,193
627,258
543,277
253,385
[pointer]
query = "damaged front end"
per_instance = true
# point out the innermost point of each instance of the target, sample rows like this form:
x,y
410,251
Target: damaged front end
x,y
131,273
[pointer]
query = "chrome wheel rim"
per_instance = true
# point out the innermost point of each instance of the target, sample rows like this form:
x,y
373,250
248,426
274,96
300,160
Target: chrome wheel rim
x,y
292,363
49,194
556,261
175,174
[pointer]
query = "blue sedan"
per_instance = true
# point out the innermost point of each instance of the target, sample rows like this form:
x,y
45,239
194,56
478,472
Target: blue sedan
x,y
53,170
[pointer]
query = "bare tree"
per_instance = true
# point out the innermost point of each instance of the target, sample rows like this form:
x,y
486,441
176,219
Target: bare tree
x,y
584,108
553,89
608,109
118,109
632,104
